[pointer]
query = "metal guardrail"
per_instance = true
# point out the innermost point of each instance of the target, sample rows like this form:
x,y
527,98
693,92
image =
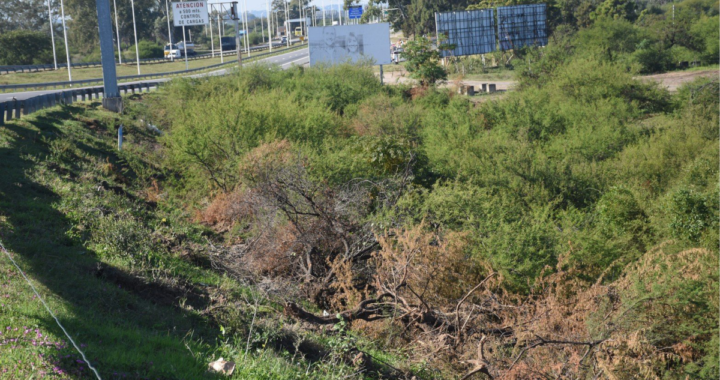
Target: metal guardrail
x,y
14,109
49,66
38,86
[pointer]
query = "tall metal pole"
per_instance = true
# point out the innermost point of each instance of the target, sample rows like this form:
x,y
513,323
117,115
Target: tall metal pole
x,y
111,96
245,26
185,49
67,50
323,12
137,50
222,59
269,19
117,32
52,34
167,10
287,24
212,40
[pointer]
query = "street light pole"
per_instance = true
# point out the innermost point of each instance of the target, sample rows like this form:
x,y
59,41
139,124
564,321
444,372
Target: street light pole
x,y
269,19
245,26
67,50
287,24
52,34
222,58
212,39
117,32
167,10
137,50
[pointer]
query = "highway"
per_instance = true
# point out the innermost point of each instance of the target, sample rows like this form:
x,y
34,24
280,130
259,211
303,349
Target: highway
x,y
285,61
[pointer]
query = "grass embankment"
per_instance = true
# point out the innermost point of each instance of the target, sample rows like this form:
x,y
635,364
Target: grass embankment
x,y
61,74
119,264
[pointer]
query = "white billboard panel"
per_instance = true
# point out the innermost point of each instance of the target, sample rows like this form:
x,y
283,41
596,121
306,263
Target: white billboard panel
x,y
350,43
189,13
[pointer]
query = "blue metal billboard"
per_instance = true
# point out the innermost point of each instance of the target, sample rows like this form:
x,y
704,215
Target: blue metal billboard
x,y
522,25
470,32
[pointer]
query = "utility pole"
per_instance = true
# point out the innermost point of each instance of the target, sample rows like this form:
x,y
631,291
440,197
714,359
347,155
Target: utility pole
x,y
52,34
137,50
117,31
67,51
111,97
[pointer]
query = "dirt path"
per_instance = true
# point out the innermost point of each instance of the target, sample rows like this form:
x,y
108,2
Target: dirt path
x,y
671,80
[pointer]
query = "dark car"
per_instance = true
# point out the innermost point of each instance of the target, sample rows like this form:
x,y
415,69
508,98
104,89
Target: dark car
x,y
228,43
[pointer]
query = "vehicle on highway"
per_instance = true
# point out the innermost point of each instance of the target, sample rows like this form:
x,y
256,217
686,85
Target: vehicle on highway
x,y
172,51
283,40
177,51
228,43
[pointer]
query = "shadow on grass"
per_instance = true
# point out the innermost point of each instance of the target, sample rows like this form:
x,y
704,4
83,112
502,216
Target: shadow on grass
x,y
125,333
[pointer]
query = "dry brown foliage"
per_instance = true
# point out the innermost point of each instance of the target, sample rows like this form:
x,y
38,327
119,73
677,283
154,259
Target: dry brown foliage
x,y
566,328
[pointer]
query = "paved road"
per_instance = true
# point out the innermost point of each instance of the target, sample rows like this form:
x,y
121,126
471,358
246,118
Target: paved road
x,y
285,61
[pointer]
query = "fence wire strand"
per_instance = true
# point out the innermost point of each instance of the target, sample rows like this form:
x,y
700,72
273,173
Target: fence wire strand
x,y
50,311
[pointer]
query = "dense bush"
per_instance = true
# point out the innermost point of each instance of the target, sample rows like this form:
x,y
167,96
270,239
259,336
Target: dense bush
x,y
146,49
577,175
24,47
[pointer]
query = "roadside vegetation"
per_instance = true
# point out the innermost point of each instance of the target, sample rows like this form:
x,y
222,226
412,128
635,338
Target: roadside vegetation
x,y
314,224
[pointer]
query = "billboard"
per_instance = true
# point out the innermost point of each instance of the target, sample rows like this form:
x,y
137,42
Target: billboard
x,y
522,25
350,43
471,32
190,13
355,12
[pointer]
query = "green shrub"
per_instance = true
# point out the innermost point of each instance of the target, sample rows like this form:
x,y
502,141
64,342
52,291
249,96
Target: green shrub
x,y
25,47
706,31
652,57
146,49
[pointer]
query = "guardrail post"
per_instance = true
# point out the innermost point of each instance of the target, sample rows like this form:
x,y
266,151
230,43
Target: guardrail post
x,y
18,106
3,106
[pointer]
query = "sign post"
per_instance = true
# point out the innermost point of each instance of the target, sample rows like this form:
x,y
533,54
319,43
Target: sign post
x,y
189,13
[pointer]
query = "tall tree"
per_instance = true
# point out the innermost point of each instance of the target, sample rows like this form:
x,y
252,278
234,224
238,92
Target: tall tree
x,y
83,27
25,14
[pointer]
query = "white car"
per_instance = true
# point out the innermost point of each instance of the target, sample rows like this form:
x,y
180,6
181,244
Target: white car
x,y
172,52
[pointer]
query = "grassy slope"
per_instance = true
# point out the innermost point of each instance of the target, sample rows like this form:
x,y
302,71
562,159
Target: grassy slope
x,y
130,322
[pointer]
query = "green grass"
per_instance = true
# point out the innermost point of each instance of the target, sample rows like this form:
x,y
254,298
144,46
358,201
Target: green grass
x,y
150,312
61,74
